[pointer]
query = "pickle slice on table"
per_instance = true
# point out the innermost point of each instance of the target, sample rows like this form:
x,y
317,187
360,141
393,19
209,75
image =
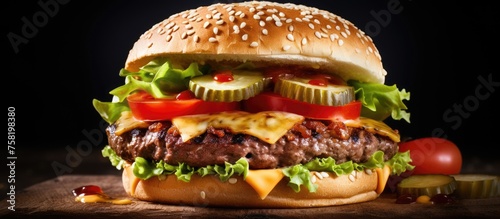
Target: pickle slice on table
x,y
245,84
473,186
429,185
300,89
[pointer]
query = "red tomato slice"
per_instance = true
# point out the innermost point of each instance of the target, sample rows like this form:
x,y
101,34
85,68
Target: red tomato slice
x,y
431,155
267,101
145,107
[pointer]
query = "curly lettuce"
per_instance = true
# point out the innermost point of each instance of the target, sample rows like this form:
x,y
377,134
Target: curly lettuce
x,y
298,175
381,101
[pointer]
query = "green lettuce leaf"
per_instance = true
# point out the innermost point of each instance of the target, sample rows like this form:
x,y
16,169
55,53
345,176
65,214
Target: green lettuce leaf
x,y
298,175
159,78
381,101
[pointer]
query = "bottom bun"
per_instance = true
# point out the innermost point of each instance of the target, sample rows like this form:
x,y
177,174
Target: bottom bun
x,y
210,191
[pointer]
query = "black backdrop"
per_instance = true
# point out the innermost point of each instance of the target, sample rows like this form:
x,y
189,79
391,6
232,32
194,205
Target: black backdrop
x,y
62,54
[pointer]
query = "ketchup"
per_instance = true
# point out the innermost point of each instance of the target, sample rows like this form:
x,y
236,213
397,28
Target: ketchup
x,y
93,194
223,76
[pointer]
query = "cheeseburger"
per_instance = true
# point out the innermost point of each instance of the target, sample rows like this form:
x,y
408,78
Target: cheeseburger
x,y
254,104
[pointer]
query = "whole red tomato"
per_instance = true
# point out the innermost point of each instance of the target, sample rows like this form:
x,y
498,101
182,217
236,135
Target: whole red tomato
x,y
432,155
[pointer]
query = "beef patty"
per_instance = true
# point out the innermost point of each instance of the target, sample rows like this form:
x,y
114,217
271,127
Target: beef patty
x,y
301,144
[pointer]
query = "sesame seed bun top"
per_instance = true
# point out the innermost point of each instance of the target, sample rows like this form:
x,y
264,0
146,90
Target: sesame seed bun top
x,y
262,32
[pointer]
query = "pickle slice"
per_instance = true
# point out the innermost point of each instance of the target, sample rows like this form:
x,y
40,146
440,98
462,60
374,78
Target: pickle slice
x,y
429,185
329,95
246,84
473,186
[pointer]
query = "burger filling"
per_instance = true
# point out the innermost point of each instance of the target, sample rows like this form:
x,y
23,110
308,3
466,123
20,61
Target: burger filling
x,y
228,119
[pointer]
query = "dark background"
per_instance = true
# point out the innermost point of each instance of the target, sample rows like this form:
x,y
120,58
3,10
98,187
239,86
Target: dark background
x,y
437,51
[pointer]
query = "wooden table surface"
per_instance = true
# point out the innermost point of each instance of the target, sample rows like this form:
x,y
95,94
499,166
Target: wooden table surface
x,y
53,199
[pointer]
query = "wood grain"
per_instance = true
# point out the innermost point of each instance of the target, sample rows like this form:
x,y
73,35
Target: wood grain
x,y
53,198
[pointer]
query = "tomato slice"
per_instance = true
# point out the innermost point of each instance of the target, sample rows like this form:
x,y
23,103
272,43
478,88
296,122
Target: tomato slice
x,y
145,107
266,101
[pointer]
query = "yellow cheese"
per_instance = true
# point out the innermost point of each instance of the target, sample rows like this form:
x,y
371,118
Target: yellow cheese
x,y
383,176
264,181
267,126
127,122
374,126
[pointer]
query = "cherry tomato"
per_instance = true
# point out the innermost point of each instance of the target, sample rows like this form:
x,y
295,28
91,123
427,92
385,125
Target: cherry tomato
x,y
271,101
145,107
432,155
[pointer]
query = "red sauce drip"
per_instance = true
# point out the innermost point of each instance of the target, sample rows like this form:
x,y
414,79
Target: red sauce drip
x,y
93,193
185,95
223,76
88,190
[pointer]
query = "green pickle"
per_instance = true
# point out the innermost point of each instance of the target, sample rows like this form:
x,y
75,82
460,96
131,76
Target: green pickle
x,y
329,95
474,186
246,84
430,185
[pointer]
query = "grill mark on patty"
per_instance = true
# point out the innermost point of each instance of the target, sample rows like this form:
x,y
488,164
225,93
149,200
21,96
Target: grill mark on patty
x,y
302,143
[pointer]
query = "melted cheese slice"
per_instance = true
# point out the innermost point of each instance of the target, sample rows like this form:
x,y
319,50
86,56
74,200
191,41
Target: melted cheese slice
x,y
264,181
268,126
374,126
383,176
127,122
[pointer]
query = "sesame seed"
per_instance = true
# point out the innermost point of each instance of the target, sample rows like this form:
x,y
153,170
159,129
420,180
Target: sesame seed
x,y
231,18
196,38
217,16
313,179
150,44
269,18
190,32
317,34
170,25
354,174
176,28
215,30
289,20
202,194
244,37
325,174
256,17
317,174
206,24
265,32
242,25
169,37
254,44
341,42
368,171
290,37
233,180
290,28
352,178
212,40
316,21
184,35
262,23
208,16
286,47
304,41
219,22
278,23
311,26
343,34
